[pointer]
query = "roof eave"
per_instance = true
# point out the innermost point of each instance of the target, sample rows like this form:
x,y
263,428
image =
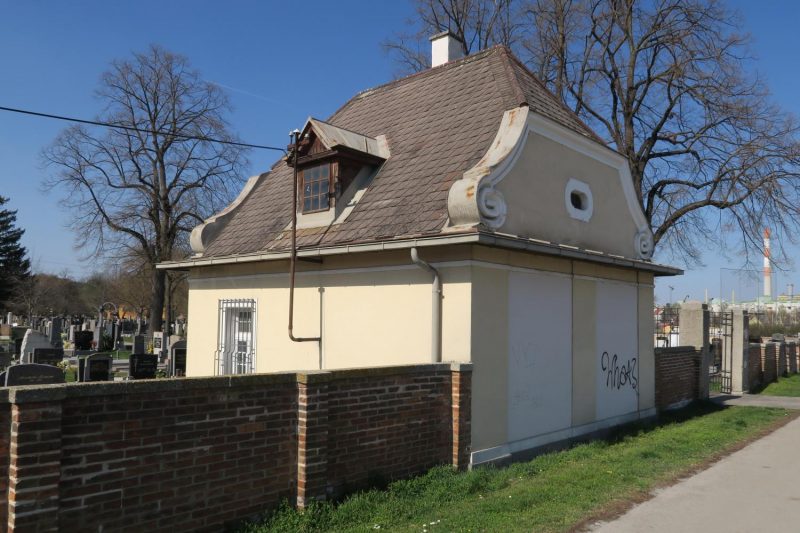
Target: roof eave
x,y
485,238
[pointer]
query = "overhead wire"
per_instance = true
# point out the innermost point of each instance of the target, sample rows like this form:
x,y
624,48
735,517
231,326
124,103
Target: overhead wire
x,y
138,130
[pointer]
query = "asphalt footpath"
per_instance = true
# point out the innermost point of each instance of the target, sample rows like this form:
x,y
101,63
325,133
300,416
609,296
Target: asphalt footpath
x,y
756,489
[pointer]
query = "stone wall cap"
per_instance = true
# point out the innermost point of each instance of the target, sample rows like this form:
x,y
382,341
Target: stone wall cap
x,y
36,393
458,366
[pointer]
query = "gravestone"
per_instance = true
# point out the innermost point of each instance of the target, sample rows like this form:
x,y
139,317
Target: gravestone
x,y
177,357
142,366
158,343
95,367
138,344
5,359
54,333
47,356
72,330
83,340
5,330
9,318
33,339
33,374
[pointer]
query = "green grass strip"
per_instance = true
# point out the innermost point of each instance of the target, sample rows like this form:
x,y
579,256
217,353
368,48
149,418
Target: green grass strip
x,y
783,387
553,492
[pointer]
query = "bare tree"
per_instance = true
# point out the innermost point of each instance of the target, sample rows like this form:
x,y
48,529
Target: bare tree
x,y
137,192
478,24
666,83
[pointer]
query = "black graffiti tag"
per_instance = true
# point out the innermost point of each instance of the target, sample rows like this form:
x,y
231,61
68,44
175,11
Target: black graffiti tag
x,y
619,376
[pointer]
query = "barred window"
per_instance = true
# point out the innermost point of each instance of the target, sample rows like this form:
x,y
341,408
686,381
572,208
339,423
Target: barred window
x,y
236,346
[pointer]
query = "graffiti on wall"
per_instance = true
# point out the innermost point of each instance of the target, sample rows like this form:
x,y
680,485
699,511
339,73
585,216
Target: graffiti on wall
x,y
619,373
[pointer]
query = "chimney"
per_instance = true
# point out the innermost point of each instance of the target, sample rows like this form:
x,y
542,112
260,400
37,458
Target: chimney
x,y
445,47
767,267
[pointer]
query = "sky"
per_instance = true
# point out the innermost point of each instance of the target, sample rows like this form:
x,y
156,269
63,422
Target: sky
x,y
279,65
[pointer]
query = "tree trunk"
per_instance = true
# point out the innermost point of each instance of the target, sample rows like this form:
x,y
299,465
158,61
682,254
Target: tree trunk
x,y
157,301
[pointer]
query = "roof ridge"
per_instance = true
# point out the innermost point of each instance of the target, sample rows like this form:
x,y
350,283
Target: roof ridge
x,y
509,56
417,75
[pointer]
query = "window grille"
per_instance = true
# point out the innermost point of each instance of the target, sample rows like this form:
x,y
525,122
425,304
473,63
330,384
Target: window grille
x,y
316,186
236,344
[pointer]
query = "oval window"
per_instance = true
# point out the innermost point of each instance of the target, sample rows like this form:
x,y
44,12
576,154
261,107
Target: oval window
x,y
578,199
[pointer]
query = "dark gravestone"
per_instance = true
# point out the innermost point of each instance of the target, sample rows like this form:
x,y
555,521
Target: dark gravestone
x,y
18,346
94,367
142,366
48,356
138,344
5,360
178,358
83,340
33,374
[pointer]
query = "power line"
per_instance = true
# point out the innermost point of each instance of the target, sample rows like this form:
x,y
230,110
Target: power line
x,y
132,128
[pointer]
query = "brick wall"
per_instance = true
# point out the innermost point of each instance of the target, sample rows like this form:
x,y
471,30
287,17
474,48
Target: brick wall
x,y
677,376
755,372
201,453
769,363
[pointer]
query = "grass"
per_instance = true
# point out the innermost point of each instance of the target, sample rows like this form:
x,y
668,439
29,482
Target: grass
x,y
554,492
783,387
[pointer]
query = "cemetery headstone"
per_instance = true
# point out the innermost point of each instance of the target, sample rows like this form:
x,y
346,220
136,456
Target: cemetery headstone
x,y
55,332
72,330
178,358
138,344
95,367
9,318
33,374
142,366
158,342
33,339
5,330
5,359
47,356
83,340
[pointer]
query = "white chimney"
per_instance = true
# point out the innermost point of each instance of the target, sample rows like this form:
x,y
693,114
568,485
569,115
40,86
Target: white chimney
x,y
767,267
445,47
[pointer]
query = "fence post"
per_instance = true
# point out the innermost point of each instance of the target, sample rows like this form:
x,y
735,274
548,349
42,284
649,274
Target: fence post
x,y
694,320
741,349
312,437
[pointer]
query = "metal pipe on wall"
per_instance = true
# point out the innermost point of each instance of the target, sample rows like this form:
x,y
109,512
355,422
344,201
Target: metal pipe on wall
x,y
293,257
436,306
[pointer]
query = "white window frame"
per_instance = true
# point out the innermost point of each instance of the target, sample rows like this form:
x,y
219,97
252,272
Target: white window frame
x,y
585,193
236,337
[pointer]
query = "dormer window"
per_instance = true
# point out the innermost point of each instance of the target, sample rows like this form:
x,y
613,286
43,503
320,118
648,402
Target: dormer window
x,y
334,166
315,185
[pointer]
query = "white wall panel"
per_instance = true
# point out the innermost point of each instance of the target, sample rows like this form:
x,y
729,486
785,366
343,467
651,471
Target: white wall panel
x,y
540,354
617,363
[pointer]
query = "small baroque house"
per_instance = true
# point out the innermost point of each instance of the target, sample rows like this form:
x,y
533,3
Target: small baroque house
x,y
458,214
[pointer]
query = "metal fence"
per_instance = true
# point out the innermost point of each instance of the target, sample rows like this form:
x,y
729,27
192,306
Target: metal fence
x,y
720,336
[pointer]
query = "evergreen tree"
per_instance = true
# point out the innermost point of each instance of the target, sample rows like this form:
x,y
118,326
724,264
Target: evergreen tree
x,y
15,267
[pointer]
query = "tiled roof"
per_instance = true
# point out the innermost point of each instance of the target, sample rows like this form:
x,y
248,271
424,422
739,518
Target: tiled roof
x,y
438,124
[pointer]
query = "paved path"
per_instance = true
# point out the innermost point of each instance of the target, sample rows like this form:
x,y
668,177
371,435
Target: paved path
x,y
756,489
758,400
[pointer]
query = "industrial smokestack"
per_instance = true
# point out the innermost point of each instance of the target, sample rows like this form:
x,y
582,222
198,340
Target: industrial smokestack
x,y
767,267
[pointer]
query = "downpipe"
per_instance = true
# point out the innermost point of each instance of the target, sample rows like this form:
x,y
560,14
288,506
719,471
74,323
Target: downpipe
x,y
436,306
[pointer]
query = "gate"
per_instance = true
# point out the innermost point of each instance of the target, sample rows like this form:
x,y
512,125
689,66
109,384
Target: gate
x,y
720,336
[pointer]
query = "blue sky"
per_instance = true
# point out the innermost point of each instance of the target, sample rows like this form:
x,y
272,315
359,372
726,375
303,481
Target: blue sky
x,y
280,66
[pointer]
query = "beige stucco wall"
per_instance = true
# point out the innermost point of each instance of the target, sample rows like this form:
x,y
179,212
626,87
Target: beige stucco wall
x,y
592,403
377,311
539,178
369,316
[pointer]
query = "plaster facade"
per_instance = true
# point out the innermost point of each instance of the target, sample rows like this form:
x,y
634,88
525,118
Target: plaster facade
x,y
534,327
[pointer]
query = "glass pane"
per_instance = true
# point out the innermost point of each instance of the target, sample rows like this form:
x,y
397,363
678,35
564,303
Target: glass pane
x,y
323,172
307,204
314,203
323,202
315,188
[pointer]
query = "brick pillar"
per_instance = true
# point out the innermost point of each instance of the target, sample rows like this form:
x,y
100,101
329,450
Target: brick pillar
x,y
35,458
461,383
312,437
